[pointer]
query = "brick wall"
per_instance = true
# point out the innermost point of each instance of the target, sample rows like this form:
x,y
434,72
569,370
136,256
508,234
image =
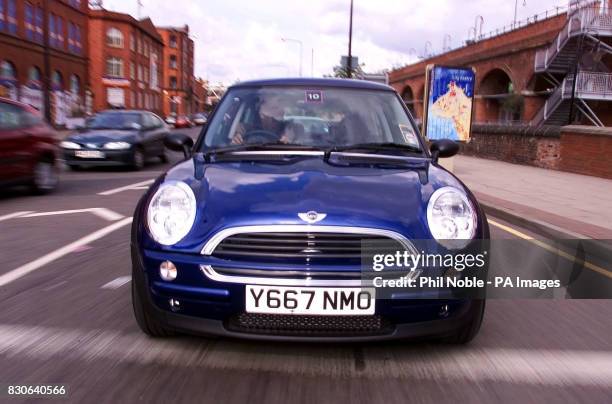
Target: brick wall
x,y
515,144
586,150
577,149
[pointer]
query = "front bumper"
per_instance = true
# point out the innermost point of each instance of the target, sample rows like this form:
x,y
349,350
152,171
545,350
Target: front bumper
x,y
111,158
212,307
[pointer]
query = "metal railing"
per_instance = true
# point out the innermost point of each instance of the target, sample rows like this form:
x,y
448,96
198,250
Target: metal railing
x,y
497,32
551,104
594,85
589,85
580,21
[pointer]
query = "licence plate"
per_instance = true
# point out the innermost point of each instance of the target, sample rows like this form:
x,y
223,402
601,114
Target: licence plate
x,y
318,301
89,154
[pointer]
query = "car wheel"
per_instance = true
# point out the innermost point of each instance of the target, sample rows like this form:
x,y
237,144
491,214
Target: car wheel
x,y
75,167
468,332
164,156
147,322
46,177
138,161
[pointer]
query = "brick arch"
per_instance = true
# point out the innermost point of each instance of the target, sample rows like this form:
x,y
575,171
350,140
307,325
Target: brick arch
x,y
497,97
492,81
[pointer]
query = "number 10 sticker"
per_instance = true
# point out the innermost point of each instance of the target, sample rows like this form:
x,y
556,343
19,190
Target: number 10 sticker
x,y
314,96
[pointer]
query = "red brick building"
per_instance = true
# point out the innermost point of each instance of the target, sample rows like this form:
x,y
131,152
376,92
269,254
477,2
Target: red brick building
x,y
22,67
526,74
200,93
126,62
178,82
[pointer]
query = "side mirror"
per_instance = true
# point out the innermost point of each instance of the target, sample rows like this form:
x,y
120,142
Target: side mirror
x,y
136,126
443,148
179,142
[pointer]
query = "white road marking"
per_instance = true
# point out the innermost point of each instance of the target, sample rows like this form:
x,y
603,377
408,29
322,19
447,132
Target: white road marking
x,y
480,365
104,213
55,286
13,215
117,283
59,253
137,185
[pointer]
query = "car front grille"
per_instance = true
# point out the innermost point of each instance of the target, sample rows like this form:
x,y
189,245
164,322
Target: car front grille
x,y
313,326
304,247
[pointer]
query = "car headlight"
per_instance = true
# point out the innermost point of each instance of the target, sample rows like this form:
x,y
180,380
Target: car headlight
x,y
451,217
171,212
69,145
117,145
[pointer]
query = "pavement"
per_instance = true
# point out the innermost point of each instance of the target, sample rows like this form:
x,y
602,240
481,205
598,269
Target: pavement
x,y
578,206
66,318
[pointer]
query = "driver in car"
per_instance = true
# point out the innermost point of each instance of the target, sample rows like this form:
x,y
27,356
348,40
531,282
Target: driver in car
x,y
270,119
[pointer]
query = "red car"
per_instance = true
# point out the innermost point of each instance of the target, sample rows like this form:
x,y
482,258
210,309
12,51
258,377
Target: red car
x,y
28,148
183,122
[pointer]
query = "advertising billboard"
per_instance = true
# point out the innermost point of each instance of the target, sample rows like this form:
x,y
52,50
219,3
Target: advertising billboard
x,y
449,100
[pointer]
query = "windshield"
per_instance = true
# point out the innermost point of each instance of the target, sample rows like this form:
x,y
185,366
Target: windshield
x,y
323,118
114,120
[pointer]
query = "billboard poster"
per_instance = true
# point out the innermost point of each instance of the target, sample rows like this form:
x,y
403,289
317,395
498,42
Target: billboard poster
x,y
449,100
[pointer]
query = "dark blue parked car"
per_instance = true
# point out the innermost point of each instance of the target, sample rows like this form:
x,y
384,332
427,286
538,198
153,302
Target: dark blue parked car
x,y
264,221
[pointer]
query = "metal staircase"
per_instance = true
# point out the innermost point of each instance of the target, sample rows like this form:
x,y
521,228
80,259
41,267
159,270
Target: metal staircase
x,y
588,25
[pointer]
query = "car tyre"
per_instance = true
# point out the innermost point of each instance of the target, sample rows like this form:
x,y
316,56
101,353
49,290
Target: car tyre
x,y
46,177
138,160
164,156
146,321
468,332
75,167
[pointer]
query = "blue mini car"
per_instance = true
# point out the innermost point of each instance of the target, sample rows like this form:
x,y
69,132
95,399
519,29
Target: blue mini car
x,y
259,232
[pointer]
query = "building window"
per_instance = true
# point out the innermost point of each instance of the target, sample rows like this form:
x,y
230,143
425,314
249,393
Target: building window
x,y
75,84
114,38
74,38
173,42
34,74
29,21
132,43
11,16
7,70
146,74
2,18
173,64
140,73
57,81
114,67
146,49
173,82
52,34
132,71
59,31
38,22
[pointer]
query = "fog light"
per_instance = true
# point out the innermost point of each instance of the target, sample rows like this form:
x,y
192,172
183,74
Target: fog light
x,y
175,305
444,311
167,271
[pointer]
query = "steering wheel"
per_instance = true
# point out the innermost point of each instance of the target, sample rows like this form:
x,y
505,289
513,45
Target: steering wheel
x,y
260,136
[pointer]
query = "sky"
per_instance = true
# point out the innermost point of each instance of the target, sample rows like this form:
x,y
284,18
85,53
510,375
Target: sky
x,y
237,40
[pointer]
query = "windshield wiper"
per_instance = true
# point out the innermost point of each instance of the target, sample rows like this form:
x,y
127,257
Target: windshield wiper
x,y
378,147
274,146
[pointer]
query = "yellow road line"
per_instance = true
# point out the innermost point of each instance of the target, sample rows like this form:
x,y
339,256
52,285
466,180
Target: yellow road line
x,y
547,247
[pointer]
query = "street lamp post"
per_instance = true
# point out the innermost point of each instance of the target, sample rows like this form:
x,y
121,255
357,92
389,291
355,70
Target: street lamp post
x,y
349,65
301,50
46,63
